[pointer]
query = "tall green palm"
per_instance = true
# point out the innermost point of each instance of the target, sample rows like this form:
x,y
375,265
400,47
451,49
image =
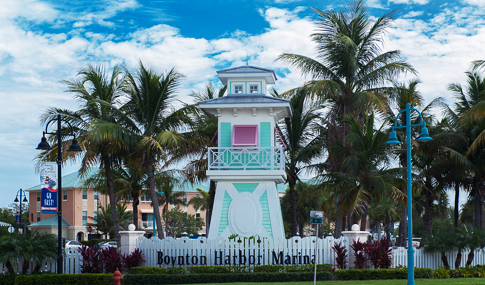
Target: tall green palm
x,y
349,68
150,125
104,221
472,123
302,141
97,92
203,136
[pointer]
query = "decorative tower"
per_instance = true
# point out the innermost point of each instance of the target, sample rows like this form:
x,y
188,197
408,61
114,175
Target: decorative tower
x,y
246,164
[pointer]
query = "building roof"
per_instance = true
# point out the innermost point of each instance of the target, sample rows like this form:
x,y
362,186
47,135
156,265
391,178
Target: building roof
x,y
3,224
72,180
246,101
247,71
52,221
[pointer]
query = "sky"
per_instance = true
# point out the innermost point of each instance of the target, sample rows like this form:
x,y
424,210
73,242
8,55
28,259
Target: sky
x,y
45,42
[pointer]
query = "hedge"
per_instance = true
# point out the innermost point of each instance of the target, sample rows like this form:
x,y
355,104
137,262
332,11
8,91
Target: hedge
x,y
153,279
60,279
7,279
383,274
231,269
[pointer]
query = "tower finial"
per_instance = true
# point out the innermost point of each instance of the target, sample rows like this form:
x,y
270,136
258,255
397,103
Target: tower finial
x,y
247,58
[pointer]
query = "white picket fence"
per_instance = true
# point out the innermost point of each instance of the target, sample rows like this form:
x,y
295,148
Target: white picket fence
x,y
72,264
221,251
186,252
433,260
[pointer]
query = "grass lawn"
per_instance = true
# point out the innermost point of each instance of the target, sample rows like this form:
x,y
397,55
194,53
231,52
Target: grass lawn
x,y
451,281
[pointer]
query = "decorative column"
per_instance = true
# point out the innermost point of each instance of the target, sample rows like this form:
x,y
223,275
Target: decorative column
x,y
128,239
357,235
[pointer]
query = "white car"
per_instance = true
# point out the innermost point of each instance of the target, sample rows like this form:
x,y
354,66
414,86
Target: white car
x,y
73,244
107,244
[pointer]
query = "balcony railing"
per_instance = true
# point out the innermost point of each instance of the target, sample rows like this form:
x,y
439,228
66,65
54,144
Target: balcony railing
x,y
246,158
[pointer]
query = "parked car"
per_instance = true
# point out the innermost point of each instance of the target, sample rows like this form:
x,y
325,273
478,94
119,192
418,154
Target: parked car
x,y
73,244
107,244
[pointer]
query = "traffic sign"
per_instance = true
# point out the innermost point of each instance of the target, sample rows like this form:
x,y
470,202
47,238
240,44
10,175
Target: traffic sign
x,y
316,220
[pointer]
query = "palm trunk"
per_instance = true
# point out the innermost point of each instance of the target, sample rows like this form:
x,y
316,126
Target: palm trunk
x,y
9,266
403,226
300,229
428,208
294,223
458,259
444,258
363,219
338,226
212,194
471,256
154,196
112,196
456,212
136,200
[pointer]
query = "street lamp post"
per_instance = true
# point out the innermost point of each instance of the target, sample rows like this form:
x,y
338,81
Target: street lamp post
x,y
17,200
44,145
393,140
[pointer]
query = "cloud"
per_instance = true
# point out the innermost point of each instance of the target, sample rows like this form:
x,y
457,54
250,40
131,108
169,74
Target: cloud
x,y
480,3
413,14
421,2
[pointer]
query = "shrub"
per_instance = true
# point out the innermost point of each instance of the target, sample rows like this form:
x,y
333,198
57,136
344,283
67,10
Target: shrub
x,y
341,253
441,273
224,278
381,274
379,254
359,253
133,259
7,278
112,259
79,279
92,260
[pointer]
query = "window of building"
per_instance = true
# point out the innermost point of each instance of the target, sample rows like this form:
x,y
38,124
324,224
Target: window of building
x,y
85,218
197,216
238,88
185,198
197,195
253,88
85,194
64,195
95,216
38,216
96,196
245,135
38,196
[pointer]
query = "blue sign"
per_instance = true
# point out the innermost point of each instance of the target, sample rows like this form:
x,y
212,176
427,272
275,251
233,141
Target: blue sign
x,y
48,202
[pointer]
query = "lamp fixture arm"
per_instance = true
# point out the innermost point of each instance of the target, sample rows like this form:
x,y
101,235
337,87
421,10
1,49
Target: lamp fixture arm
x,y
59,131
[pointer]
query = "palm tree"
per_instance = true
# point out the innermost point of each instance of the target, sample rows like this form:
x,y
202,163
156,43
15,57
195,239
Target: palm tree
x,y
201,203
302,141
97,92
165,182
469,104
399,95
149,124
26,247
350,69
203,136
104,221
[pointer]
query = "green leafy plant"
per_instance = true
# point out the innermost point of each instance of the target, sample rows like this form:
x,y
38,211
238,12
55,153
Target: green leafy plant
x,y
341,253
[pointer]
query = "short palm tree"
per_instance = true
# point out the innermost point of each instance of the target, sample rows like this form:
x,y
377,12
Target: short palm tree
x,y
26,247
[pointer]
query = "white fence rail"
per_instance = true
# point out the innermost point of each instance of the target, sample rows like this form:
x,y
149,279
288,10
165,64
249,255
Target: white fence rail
x,y
170,252
221,251
433,260
246,158
72,264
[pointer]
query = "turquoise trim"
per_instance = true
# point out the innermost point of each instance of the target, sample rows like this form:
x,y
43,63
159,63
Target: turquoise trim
x,y
226,135
263,200
245,187
224,222
265,134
